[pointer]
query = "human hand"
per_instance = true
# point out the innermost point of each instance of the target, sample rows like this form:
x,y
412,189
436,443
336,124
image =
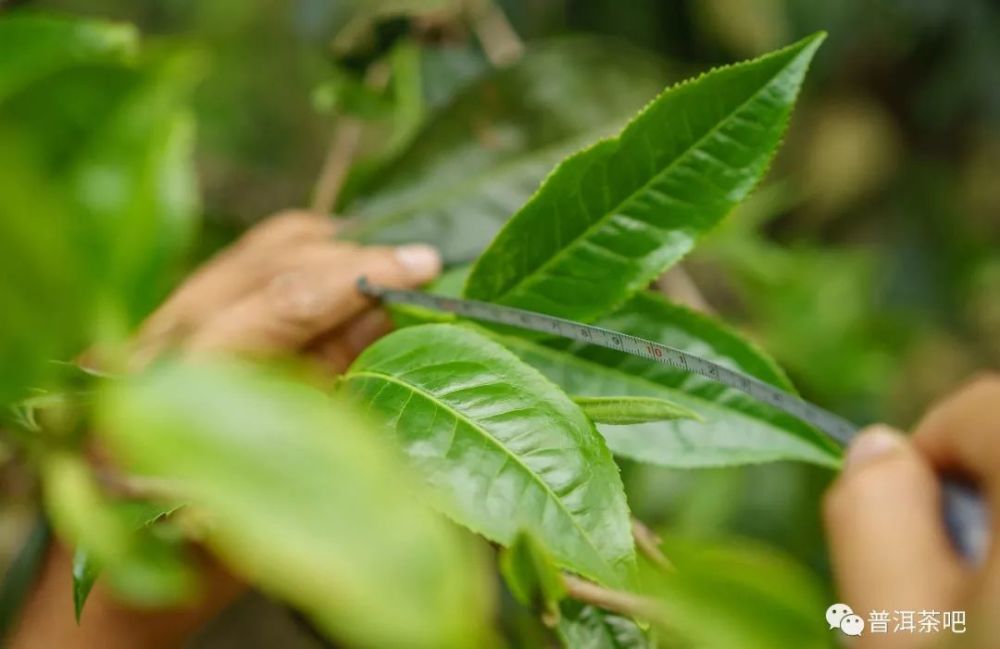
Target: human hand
x,y
286,286
889,545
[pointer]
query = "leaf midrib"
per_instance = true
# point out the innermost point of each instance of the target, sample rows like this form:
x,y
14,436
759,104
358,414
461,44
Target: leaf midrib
x,y
566,358
517,460
585,233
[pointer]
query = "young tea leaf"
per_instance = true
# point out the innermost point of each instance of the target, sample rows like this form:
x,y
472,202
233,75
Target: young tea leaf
x,y
85,572
146,570
736,429
614,216
86,568
304,500
507,448
531,576
620,411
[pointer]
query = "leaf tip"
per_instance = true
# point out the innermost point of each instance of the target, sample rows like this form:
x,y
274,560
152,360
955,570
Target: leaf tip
x,y
811,43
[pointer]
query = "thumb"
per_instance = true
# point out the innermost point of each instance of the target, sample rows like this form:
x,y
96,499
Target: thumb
x,y
888,543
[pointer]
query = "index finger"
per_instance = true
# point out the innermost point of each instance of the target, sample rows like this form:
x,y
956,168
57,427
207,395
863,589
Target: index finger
x,y
320,295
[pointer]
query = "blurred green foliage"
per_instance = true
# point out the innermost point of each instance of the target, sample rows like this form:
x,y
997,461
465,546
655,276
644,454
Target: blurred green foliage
x,y
869,265
303,499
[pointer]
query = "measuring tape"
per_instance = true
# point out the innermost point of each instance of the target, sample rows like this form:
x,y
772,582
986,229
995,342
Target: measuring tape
x,y
964,510
833,425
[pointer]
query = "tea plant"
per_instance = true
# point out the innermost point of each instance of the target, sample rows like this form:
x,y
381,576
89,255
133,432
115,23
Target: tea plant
x,y
485,415
512,436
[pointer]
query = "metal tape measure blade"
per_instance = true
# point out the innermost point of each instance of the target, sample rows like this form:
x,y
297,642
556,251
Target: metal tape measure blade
x,y
833,425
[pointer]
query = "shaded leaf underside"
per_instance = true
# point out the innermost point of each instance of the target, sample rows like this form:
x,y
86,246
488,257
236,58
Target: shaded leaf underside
x,y
485,153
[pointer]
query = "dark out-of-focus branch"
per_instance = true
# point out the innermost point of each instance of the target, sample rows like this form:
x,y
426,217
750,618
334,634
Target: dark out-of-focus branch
x,y
648,543
132,486
608,599
339,157
500,43
343,148
677,285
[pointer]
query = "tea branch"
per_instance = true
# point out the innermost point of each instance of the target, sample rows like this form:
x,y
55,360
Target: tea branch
x,y
500,42
648,543
616,601
344,147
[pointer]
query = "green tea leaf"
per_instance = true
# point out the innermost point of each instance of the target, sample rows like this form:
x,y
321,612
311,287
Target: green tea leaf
x,y
507,447
738,595
134,177
611,218
33,46
146,570
483,155
736,429
45,287
531,576
116,142
96,199
619,411
85,572
304,500
582,626
86,567
344,93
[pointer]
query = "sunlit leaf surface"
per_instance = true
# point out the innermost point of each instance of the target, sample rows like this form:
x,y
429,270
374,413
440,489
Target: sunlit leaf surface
x,y
614,216
506,446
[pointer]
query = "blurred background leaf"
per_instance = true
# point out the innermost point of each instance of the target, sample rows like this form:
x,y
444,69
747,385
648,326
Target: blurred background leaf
x,y
146,569
302,497
33,46
737,596
141,516
99,196
483,155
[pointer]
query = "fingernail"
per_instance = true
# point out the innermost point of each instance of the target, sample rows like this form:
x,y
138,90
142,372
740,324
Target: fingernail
x,y
419,259
872,444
